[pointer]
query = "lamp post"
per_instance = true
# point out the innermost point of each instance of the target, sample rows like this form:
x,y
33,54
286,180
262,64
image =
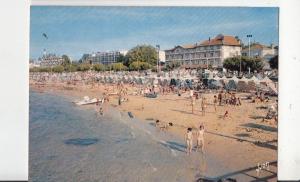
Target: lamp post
x,y
208,53
249,37
158,48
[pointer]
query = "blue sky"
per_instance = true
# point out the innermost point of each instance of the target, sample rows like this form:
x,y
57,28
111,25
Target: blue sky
x,y
77,30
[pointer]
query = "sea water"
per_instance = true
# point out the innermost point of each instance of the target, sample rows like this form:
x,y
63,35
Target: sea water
x,y
71,143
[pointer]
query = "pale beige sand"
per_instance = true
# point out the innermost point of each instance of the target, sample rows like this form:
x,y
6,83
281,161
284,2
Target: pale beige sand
x,y
221,136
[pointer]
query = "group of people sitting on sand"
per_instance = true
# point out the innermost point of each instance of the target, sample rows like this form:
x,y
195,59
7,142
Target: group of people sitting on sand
x,y
228,98
260,97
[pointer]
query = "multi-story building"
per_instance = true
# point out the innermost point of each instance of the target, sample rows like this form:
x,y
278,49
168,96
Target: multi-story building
x,y
259,50
209,52
262,51
49,60
102,57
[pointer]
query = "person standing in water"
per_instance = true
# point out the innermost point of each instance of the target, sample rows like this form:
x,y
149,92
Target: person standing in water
x,y
200,138
189,140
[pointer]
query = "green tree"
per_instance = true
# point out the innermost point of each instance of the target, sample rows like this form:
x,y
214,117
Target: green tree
x,y
83,67
66,60
34,69
123,59
138,65
71,67
58,69
142,53
118,67
274,62
45,69
98,67
234,63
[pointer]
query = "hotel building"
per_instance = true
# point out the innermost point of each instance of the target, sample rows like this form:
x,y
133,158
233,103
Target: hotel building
x,y
105,58
49,60
209,52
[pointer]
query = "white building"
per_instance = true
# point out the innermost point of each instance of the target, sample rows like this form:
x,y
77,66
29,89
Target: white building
x,y
49,60
105,58
162,56
259,50
209,52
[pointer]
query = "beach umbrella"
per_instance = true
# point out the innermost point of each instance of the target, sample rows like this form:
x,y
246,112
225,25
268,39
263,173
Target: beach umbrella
x,y
231,85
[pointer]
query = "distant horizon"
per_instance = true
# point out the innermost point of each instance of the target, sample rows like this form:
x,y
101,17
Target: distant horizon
x,y
75,31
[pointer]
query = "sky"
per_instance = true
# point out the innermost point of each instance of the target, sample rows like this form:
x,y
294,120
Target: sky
x,y
77,30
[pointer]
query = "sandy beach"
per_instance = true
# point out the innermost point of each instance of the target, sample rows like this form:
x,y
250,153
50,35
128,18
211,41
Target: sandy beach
x,y
240,141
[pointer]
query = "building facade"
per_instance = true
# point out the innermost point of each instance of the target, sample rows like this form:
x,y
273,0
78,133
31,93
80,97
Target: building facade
x,y
105,58
209,52
50,60
262,51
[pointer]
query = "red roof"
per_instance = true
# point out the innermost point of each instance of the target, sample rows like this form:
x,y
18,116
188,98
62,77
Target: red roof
x,y
222,40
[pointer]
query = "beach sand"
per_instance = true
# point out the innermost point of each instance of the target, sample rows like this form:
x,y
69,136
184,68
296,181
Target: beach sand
x,y
240,141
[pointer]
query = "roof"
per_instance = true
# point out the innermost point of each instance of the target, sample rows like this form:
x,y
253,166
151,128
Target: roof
x,y
222,40
257,46
218,40
189,46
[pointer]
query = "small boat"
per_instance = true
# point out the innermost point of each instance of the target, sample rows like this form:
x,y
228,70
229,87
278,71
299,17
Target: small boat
x,y
86,100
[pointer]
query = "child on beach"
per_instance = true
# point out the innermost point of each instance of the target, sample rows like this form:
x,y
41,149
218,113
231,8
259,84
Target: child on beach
x,y
226,114
200,138
189,140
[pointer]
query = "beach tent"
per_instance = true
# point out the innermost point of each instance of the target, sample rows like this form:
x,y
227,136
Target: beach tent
x,y
231,85
259,77
217,78
242,86
235,79
252,86
244,79
263,87
254,79
224,78
266,80
173,82
273,88
214,84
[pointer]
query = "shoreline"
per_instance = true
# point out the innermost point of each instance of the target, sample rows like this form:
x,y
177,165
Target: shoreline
x,y
221,138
